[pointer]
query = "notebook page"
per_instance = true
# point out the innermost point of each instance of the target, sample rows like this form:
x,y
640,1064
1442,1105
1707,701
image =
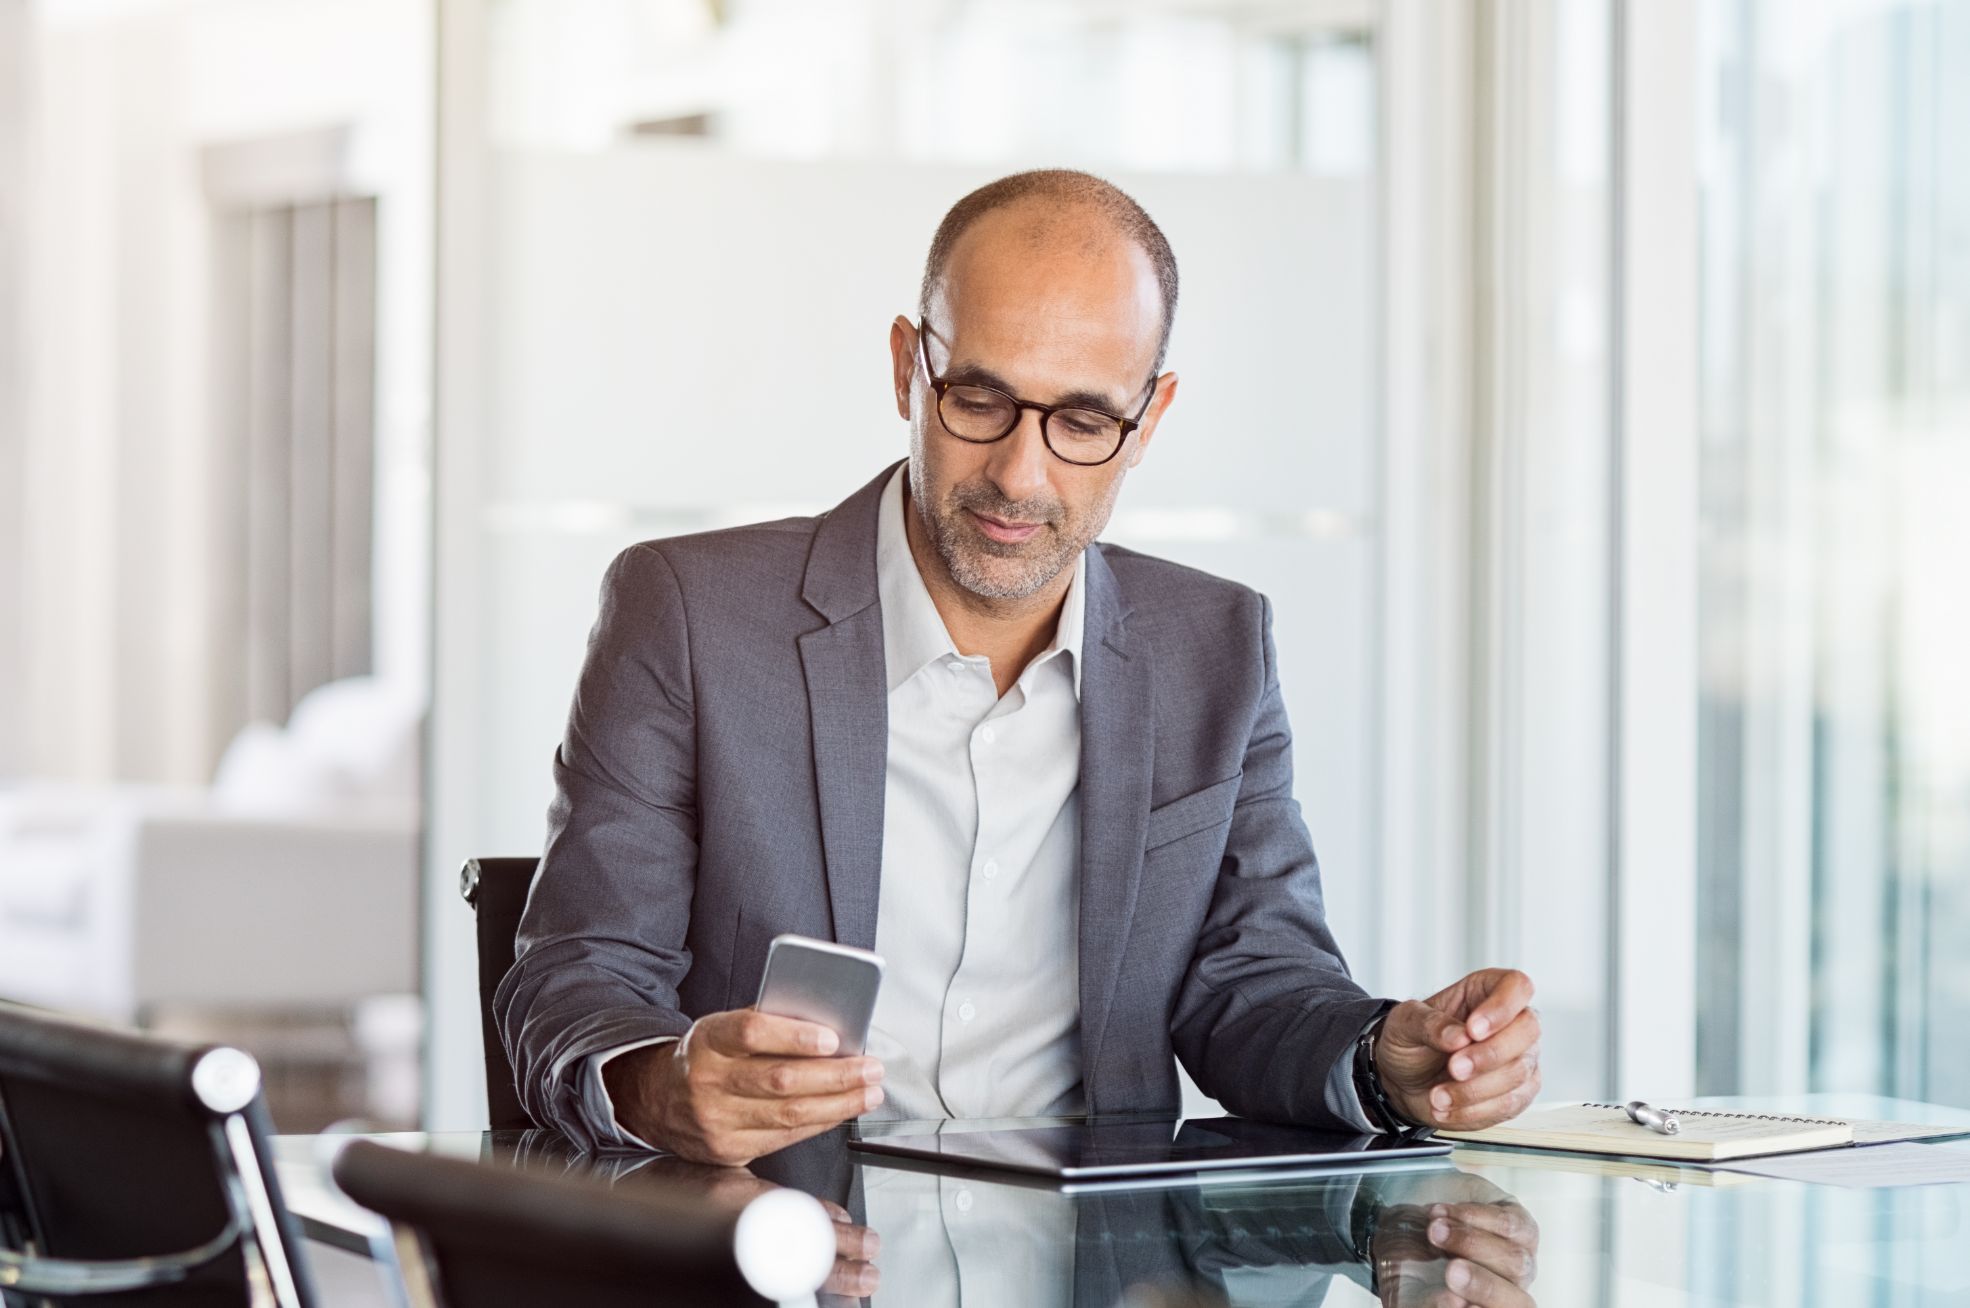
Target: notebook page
x,y
1595,1128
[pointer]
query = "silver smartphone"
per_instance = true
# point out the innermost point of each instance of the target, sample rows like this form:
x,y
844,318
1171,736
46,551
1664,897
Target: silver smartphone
x,y
818,981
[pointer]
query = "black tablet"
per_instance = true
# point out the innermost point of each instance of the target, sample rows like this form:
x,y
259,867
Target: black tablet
x,y
1136,1146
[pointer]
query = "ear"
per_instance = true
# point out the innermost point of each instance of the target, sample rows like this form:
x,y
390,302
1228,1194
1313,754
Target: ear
x,y
903,363
1166,393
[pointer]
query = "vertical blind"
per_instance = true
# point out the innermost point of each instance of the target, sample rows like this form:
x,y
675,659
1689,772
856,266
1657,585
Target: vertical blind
x,y
297,326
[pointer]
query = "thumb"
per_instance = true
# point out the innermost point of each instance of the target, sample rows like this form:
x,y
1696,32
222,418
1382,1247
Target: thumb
x,y
1436,1029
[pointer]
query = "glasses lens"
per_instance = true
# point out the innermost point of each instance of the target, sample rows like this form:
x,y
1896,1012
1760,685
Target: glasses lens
x,y
974,413
1082,435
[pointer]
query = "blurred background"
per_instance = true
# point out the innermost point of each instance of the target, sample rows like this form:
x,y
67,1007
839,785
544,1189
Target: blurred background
x,y
1586,381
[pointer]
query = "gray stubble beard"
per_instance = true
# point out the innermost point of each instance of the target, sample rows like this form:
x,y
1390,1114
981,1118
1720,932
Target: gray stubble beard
x,y
964,551
955,540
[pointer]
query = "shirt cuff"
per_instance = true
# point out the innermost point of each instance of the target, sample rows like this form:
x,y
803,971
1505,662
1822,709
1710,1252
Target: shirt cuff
x,y
1342,1099
600,1108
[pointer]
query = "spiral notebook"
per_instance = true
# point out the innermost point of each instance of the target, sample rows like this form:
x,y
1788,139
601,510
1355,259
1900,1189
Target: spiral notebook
x,y
1707,1135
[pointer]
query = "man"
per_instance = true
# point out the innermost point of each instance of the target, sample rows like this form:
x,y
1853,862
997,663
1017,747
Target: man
x,y
1049,780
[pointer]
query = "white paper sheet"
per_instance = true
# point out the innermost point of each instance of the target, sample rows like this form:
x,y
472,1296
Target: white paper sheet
x,y
1865,1167
1873,1133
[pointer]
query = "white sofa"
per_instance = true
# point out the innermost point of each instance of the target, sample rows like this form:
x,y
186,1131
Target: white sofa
x,y
290,883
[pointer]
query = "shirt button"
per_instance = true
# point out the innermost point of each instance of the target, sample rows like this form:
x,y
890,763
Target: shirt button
x,y
966,1012
956,666
963,1200
991,868
987,734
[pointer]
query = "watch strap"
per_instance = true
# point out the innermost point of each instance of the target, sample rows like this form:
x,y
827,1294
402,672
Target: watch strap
x,y
1375,1101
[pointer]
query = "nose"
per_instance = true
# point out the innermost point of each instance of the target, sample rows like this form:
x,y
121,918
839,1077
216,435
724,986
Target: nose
x,y
1019,463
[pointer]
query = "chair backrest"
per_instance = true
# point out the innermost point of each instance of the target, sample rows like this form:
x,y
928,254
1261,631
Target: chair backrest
x,y
478,1235
496,888
133,1164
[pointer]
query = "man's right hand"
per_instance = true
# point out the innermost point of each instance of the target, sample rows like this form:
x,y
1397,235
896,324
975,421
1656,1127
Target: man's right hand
x,y
854,1277
739,1085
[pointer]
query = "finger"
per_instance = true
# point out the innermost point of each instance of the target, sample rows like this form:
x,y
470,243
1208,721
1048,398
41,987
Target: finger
x,y
1481,1285
1498,1049
1413,1274
1424,1024
1475,1117
1494,1252
755,1142
856,1243
1448,1097
1491,1085
1506,992
1509,1220
852,1279
749,1031
816,1111
790,1078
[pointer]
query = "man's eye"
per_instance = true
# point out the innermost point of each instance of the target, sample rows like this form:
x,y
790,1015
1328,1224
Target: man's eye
x,y
1079,422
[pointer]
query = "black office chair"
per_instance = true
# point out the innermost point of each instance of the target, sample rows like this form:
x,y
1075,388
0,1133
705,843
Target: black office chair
x,y
133,1165
496,888
474,1235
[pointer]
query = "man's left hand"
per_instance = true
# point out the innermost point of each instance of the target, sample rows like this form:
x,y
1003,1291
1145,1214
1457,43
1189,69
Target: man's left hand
x,y
1451,1238
1465,1058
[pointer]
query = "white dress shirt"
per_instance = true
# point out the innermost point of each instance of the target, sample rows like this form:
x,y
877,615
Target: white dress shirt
x,y
978,914
948,1241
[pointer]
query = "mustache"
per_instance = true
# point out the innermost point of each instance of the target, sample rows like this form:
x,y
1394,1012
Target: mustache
x,y
983,497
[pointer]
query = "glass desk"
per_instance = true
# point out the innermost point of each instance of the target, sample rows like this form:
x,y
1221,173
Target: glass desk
x,y
1575,1230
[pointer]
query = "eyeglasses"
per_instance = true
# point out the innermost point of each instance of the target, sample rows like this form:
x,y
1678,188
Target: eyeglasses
x,y
982,414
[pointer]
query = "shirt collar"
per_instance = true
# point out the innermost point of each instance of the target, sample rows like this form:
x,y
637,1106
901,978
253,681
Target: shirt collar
x,y
913,634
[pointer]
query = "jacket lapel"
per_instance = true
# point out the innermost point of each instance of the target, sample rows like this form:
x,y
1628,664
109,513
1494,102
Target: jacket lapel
x,y
848,708
1117,745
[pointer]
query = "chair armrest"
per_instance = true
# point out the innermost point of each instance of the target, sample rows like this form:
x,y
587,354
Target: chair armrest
x,y
70,1277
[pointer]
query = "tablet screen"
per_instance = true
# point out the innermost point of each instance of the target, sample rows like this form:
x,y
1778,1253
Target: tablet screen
x,y
1140,1146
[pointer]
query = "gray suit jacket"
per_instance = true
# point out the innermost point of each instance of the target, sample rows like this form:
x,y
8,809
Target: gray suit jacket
x,y
722,782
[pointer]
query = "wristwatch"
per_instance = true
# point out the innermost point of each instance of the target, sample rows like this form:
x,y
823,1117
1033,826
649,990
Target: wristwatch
x,y
1375,1100
1364,1216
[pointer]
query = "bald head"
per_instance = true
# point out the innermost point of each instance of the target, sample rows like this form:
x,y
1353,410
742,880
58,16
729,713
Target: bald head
x,y
1056,211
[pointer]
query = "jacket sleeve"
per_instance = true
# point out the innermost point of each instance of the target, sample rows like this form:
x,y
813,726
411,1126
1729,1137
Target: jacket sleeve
x,y
1267,1009
601,947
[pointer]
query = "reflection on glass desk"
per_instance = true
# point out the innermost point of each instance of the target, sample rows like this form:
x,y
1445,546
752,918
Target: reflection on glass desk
x,y
1558,1229
1099,1151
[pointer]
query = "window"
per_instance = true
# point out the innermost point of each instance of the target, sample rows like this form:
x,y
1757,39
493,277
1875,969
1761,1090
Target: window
x,y
1834,631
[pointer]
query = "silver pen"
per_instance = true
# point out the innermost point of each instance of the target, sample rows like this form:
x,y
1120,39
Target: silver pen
x,y
1653,1118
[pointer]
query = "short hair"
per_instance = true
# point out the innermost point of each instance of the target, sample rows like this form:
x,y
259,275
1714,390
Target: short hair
x,y
1068,188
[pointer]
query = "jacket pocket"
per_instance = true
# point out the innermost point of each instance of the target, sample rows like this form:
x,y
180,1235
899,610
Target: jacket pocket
x,y
1200,810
